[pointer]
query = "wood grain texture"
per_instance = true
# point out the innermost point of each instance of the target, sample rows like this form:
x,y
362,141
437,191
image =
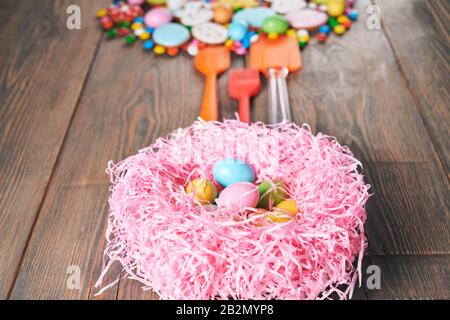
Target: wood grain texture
x,y
419,34
131,98
37,102
352,88
412,277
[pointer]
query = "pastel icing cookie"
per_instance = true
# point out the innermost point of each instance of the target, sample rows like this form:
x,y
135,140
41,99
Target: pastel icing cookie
x,y
307,19
171,35
287,6
210,33
253,16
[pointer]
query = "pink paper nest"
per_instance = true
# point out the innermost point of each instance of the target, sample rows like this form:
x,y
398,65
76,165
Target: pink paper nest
x,y
181,250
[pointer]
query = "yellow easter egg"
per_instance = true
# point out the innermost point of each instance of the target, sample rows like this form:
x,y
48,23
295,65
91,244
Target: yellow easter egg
x,y
287,206
335,8
159,50
102,13
339,29
279,217
144,36
204,191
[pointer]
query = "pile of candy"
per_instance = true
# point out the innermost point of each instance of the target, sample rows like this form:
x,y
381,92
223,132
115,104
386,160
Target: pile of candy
x,y
239,195
166,26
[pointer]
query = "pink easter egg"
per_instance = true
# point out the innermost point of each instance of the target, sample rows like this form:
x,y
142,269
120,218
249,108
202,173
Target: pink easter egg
x,y
238,196
157,17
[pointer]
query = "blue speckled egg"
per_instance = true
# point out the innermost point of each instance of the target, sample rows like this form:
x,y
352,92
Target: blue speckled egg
x,y
229,171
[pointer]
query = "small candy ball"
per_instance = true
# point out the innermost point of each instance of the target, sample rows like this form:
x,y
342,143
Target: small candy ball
x,y
237,31
322,37
339,29
353,15
287,206
230,171
204,191
222,14
271,194
148,45
238,196
101,13
275,25
325,29
159,49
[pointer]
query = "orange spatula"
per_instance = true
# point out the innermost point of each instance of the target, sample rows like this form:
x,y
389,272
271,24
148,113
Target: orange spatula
x,y
276,58
211,61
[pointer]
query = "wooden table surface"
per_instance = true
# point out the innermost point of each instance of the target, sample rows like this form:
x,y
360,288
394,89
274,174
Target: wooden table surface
x,y
71,100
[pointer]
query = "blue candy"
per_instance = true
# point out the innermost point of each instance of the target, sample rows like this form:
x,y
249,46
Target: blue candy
x,y
325,29
353,15
148,45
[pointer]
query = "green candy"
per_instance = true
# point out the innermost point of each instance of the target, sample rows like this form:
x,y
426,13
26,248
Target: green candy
x,y
332,22
130,39
275,24
111,33
276,195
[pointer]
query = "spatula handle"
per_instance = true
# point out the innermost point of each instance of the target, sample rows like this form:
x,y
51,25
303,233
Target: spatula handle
x,y
244,109
210,108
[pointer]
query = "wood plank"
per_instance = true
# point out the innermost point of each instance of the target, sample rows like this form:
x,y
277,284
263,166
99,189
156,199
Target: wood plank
x,y
419,34
351,88
36,106
412,277
131,98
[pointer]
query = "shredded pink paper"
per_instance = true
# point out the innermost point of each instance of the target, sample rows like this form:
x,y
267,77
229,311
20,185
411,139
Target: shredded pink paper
x,y
181,250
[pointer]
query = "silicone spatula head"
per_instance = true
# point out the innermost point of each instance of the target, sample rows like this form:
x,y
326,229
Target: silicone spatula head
x,y
275,53
213,60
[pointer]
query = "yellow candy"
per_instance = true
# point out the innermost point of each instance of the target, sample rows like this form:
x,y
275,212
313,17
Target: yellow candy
x,y
204,191
304,38
102,13
272,35
159,49
339,29
291,33
343,19
144,36
288,206
136,26
229,43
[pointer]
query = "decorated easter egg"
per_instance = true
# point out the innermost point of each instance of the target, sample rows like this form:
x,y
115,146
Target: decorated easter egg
x,y
222,14
230,171
335,7
237,31
210,33
287,206
253,16
307,19
271,194
238,196
286,6
275,25
171,35
203,190
157,17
